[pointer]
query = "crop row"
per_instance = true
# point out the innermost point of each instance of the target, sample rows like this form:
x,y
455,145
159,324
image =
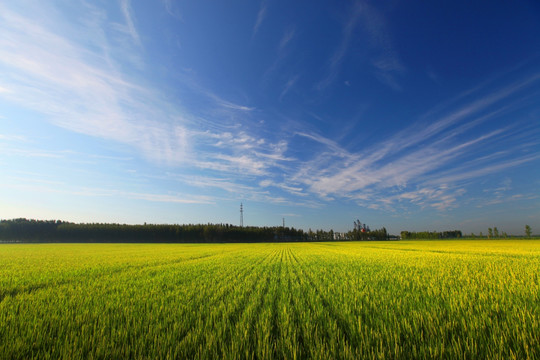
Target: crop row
x,y
260,301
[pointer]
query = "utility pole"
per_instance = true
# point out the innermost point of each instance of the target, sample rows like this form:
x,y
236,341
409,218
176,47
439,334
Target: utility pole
x,y
284,223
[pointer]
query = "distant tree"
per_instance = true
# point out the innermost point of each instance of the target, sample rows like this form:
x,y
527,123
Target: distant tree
x,y
472,235
495,232
528,231
481,234
490,233
504,234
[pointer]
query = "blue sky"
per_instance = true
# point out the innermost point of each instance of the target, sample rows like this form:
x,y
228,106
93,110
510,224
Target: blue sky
x,y
404,114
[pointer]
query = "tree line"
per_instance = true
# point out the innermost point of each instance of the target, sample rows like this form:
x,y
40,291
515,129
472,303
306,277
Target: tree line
x,y
495,233
25,230
453,234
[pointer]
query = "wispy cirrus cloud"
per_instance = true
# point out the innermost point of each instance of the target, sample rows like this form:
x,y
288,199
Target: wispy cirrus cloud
x,y
228,104
89,90
283,51
384,58
420,163
240,153
43,187
125,5
296,190
171,10
238,190
286,39
87,86
441,197
338,55
229,184
83,90
214,102
288,86
260,18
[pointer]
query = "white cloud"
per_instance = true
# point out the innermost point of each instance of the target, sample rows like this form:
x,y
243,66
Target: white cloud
x,y
171,10
422,157
83,91
260,18
292,81
43,187
338,55
90,90
386,62
241,163
291,215
286,39
130,20
296,190
166,198
228,184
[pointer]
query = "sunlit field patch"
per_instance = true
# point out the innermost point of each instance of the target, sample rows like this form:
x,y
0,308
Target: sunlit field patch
x,y
419,299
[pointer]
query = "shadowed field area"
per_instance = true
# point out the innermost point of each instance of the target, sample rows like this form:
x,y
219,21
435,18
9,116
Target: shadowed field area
x,y
420,299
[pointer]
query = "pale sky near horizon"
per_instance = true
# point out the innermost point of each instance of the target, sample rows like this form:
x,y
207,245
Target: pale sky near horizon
x,y
405,114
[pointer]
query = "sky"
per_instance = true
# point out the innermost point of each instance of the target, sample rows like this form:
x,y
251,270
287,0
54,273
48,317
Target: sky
x,y
410,115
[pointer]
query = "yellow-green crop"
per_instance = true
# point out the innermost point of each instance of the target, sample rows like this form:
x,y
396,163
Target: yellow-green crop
x,y
408,299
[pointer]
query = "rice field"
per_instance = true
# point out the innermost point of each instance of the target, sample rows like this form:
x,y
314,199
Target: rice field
x,y
349,300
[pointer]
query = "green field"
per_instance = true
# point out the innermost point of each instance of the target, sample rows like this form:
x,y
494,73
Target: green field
x,y
406,299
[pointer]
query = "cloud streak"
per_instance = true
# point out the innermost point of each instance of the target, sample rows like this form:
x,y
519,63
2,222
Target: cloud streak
x,y
260,18
385,59
341,51
45,68
419,163
43,187
222,145
130,21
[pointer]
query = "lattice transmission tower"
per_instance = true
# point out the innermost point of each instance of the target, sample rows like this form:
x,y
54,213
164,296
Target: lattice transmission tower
x,y
241,215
